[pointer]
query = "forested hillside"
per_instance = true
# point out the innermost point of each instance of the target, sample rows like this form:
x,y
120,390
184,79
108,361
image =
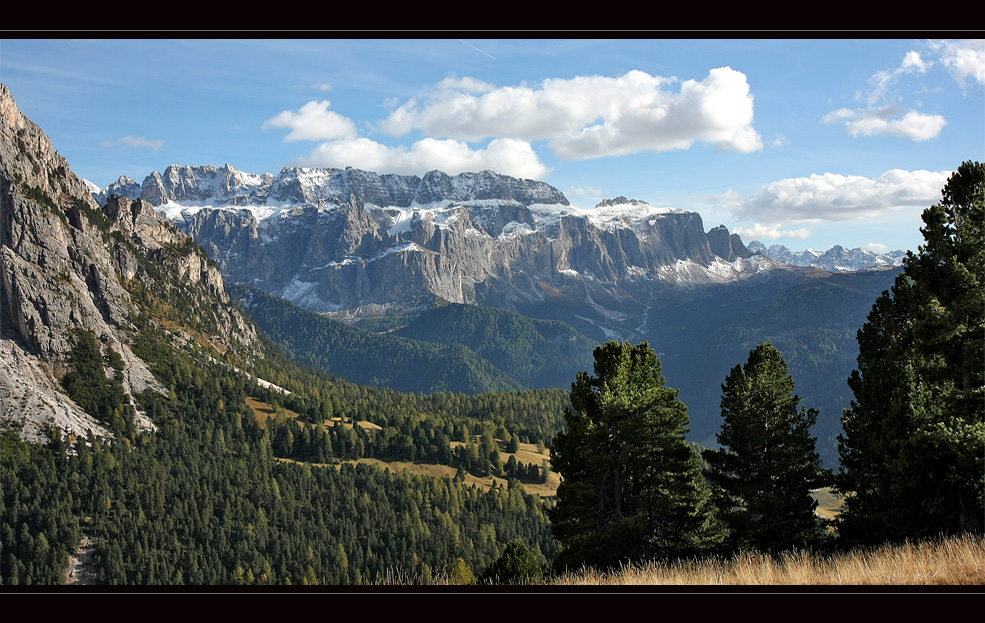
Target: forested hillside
x,y
449,347
537,353
206,500
384,360
813,325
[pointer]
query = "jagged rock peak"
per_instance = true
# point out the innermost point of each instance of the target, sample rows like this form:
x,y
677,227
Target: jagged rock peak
x,y
620,201
122,187
28,159
727,246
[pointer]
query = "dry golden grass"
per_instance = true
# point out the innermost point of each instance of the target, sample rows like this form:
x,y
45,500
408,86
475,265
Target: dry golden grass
x,y
418,469
264,411
337,421
953,561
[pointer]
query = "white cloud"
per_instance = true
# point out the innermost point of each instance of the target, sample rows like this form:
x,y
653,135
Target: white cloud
x,y
590,116
507,156
313,122
323,86
876,247
881,81
834,197
770,232
963,59
914,63
879,121
467,84
134,141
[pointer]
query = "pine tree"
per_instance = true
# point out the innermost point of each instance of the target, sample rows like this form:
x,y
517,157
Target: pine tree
x,y
631,487
767,463
518,564
913,450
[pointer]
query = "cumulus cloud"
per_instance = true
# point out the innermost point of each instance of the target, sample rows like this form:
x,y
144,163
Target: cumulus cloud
x,y
578,118
964,59
590,116
313,122
134,141
770,232
508,156
880,121
834,197
876,247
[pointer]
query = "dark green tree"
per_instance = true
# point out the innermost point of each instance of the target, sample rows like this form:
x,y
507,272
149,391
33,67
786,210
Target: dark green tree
x,y
518,564
631,487
913,450
767,463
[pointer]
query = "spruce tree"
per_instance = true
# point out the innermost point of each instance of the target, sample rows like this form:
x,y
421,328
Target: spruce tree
x,y
631,488
913,450
767,463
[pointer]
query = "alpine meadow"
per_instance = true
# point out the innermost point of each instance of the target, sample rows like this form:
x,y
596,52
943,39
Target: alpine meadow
x,y
410,359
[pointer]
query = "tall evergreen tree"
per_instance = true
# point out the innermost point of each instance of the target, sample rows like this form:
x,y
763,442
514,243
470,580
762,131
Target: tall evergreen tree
x,y
913,450
767,463
631,487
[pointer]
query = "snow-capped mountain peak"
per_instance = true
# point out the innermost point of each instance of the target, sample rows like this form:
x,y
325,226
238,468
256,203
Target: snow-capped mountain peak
x,y
835,259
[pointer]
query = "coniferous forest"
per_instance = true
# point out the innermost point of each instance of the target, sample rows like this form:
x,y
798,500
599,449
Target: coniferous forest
x,y
214,495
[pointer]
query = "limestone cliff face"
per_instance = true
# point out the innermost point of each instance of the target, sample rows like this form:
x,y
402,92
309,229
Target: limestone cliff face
x,y
398,240
65,263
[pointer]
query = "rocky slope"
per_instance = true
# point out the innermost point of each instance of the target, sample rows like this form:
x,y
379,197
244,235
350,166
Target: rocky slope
x,y
66,264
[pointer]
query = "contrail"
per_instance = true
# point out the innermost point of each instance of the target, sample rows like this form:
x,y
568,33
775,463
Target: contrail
x,y
477,49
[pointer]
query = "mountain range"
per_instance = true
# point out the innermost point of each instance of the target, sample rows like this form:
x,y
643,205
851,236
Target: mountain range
x,y
835,259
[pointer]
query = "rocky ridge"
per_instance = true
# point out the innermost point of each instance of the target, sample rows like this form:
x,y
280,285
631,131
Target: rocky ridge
x,y
67,264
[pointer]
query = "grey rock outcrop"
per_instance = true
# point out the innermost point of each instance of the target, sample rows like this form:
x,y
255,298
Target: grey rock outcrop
x,y
67,264
726,246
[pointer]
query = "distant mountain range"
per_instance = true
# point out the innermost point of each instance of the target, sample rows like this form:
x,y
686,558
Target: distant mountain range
x,y
837,259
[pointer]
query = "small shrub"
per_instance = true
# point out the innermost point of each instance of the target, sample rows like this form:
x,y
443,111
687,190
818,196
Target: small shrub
x,y
518,564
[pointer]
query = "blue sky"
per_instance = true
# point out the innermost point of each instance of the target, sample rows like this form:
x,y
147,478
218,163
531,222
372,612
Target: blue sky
x,y
807,143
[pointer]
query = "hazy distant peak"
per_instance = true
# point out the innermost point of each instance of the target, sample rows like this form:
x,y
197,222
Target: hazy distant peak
x,y
835,259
